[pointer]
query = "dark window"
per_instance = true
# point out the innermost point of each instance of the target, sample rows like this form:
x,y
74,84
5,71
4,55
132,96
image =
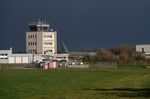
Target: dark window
x,y
35,51
142,50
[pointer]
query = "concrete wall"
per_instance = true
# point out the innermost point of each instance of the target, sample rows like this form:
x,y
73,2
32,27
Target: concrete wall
x,y
34,37
145,48
4,55
41,39
20,58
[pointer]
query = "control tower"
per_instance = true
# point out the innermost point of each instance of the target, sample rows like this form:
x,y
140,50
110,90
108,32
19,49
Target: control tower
x,y
41,38
39,26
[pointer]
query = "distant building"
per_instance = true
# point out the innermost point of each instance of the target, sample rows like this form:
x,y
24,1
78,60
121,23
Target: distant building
x,y
144,49
41,44
6,56
41,39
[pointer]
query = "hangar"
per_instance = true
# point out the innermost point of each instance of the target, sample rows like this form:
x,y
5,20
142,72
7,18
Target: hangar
x,y
6,56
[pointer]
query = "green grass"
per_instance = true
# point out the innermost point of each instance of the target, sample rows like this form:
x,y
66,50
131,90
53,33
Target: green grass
x,y
121,83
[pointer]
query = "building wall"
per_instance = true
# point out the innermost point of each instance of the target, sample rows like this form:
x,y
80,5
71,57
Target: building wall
x,y
143,48
40,42
49,42
20,58
31,42
58,57
6,56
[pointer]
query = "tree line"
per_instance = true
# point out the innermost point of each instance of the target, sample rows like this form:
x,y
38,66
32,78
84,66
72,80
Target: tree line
x,y
120,54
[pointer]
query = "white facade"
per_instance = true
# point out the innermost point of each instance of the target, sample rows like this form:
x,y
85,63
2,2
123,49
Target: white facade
x,y
20,58
144,49
41,40
6,56
58,57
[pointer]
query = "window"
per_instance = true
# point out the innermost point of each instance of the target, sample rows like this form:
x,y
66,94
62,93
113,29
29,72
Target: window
x,y
47,36
47,43
142,50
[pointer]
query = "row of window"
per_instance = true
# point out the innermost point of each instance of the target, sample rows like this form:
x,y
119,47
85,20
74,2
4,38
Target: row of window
x,y
47,36
34,43
47,43
31,36
60,57
3,54
48,51
31,43
32,51
3,58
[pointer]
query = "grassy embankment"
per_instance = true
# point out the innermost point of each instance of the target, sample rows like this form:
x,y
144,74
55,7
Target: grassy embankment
x,y
122,83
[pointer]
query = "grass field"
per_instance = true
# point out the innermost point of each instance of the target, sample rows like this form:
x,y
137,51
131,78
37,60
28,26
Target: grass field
x,y
121,83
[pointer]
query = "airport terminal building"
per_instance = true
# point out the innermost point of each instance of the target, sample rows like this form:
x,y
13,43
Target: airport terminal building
x,y
41,39
6,56
41,43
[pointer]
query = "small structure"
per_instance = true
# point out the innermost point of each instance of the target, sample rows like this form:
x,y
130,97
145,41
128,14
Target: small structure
x,y
51,64
144,49
6,56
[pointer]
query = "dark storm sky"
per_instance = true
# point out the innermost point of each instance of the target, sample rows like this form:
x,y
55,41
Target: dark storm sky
x,y
80,23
